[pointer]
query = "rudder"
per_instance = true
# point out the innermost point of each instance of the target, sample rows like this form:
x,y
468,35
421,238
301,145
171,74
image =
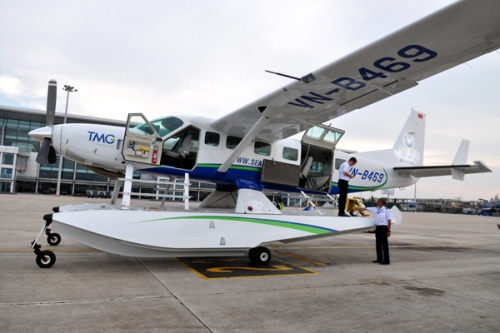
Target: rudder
x,y
408,150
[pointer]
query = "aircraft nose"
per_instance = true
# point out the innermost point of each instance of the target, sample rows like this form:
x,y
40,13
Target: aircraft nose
x,y
41,133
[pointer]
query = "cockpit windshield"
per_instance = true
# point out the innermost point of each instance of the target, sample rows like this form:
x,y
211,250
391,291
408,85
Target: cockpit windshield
x,y
163,126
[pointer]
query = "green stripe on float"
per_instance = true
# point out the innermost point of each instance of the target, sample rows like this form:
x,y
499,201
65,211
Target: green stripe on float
x,y
274,223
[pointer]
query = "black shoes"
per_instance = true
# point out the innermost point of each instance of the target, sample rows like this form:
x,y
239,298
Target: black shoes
x,y
385,263
376,262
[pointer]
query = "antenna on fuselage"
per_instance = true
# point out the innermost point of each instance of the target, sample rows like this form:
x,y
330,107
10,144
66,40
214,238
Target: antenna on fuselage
x,y
306,79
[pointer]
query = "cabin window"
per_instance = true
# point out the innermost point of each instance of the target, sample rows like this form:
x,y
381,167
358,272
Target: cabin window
x,y
162,126
291,154
338,162
212,139
181,149
232,142
332,137
262,148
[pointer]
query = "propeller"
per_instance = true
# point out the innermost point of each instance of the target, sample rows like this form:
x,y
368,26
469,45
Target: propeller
x,y
46,151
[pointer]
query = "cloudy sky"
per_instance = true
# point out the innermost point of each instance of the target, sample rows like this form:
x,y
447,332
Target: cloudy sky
x,y
208,58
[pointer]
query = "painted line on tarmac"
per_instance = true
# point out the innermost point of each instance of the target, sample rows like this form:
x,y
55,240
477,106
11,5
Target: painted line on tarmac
x,y
296,256
90,301
371,246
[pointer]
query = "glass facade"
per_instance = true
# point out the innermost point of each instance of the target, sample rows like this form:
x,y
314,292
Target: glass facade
x,y
25,186
16,133
51,170
82,173
5,187
8,158
6,173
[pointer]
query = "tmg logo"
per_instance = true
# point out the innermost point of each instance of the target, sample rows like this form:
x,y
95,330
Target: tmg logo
x,y
104,138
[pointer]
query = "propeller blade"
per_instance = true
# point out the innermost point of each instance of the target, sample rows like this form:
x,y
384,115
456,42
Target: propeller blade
x,y
51,102
52,155
43,152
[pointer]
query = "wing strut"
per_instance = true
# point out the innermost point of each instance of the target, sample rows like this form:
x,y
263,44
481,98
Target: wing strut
x,y
251,135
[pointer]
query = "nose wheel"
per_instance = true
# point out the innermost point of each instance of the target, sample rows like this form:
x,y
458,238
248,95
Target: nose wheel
x,y
259,255
44,259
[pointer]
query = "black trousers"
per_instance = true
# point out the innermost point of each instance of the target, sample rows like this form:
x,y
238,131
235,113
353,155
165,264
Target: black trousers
x,y
382,244
343,188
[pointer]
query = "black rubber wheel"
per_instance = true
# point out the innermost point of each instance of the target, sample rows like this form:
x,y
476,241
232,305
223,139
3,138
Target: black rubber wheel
x,y
54,239
259,255
45,259
352,213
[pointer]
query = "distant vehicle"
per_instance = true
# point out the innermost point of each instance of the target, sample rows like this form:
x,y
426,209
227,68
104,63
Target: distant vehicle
x,y
469,211
410,206
485,211
97,194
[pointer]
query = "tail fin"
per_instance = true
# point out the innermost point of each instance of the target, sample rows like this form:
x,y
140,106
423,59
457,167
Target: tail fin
x,y
408,150
463,151
460,159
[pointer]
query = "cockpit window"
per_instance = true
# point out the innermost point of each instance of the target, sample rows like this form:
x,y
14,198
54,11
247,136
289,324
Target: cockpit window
x,y
163,125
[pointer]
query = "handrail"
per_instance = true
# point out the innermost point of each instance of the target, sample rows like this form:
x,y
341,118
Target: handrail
x,y
127,189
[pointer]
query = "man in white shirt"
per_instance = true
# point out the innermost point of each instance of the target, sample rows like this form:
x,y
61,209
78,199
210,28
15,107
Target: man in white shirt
x,y
383,218
344,177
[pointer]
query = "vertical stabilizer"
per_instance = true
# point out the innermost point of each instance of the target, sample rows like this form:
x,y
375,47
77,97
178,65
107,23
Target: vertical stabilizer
x,y
460,159
408,149
463,151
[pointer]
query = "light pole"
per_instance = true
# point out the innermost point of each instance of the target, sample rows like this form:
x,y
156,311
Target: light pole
x,y
68,89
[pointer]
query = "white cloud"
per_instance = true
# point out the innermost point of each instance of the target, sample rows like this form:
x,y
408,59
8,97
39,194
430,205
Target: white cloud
x,y
10,86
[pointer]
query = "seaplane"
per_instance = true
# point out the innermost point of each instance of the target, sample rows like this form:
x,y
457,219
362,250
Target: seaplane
x,y
251,150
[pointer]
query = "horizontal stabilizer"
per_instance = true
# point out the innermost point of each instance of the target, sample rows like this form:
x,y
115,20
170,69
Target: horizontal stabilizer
x,y
457,174
444,170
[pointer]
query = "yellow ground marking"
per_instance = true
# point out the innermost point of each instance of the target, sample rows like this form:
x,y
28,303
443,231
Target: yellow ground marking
x,y
231,269
310,272
296,256
211,261
192,269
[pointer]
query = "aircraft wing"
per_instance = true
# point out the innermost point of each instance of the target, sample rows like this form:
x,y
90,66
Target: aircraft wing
x,y
451,36
457,171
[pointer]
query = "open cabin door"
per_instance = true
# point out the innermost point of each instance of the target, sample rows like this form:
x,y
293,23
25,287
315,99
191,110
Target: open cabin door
x,y
142,143
316,163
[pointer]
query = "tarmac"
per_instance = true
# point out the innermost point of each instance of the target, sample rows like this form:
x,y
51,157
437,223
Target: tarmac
x,y
444,277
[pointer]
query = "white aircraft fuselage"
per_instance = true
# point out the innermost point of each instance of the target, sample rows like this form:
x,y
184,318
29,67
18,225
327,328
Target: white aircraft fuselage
x,y
102,147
